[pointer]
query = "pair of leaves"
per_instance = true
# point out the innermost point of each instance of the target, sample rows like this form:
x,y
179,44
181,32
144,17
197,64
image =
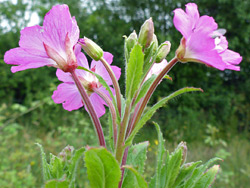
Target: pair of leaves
x,y
173,175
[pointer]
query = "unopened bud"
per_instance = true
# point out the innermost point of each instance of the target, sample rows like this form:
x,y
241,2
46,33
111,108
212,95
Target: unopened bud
x,y
66,153
183,147
131,41
91,48
155,41
146,33
163,51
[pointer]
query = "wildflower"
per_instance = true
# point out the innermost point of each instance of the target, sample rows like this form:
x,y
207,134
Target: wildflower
x,y
146,33
49,45
199,42
67,92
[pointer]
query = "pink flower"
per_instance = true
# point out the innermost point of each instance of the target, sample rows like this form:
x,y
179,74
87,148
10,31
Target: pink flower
x,y
67,92
49,45
199,42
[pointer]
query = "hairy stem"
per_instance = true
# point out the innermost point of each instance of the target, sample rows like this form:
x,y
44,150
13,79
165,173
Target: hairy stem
x,y
124,160
122,131
115,84
90,108
112,111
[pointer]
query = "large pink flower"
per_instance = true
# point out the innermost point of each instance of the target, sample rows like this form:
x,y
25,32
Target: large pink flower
x,y
199,42
49,45
67,92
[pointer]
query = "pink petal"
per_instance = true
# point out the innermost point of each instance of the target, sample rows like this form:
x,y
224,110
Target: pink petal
x,y
32,40
101,70
231,59
182,22
68,95
98,104
206,24
25,60
156,68
64,76
57,23
193,13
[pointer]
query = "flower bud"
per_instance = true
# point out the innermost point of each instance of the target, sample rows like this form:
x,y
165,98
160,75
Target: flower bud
x,y
155,41
146,33
91,48
183,146
163,51
131,41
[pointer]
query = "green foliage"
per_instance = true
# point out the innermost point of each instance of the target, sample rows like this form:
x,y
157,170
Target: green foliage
x,y
61,170
134,71
102,168
133,179
175,174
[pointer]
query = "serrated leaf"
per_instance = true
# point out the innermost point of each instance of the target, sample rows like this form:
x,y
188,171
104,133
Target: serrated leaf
x,y
137,155
160,153
74,163
134,71
198,173
207,178
102,168
56,167
45,166
147,116
57,184
171,169
134,179
185,172
145,88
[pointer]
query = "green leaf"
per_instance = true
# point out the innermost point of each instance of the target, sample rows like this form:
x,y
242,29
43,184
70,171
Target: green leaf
x,y
147,116
171,170
56,167
185,172
102,168
134,179
57,184
145,88
74,163
155,181
111,133
190,183
45,166
207,178
137,155
134,71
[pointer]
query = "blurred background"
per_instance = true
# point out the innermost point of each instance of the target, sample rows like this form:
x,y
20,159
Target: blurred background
x,y
214,123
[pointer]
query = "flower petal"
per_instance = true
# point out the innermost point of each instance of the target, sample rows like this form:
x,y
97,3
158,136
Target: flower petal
x,y
98,104
25,60
32,40
68,95
57,23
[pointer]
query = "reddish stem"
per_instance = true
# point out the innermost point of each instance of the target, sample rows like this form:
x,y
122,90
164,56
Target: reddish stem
x,y
152,88
90,108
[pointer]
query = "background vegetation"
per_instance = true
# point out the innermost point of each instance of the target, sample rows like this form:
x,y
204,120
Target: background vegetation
x,y
216,122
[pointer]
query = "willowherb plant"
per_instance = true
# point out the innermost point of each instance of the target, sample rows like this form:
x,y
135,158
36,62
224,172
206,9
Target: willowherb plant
x,y
121,164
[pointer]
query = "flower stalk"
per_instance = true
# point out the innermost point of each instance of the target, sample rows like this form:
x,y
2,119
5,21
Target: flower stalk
x,y
115,84
90,108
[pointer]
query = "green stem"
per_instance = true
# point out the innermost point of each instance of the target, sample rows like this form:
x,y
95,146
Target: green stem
x,y
90,108
122,131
